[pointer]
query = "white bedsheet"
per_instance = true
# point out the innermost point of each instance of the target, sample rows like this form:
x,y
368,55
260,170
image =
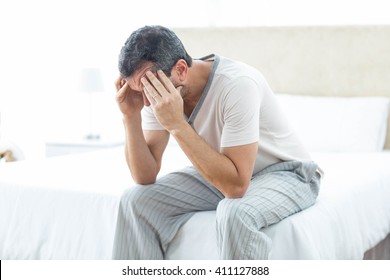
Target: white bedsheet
x,y
66,208
352,214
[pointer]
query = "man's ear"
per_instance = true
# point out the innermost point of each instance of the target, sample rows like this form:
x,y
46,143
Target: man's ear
x,y
180,69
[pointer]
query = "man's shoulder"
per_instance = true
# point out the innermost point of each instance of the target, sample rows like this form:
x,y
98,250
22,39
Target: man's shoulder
x,y
234,69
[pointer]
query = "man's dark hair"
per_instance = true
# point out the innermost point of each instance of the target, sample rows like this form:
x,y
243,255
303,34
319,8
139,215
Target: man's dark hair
x,y
155,44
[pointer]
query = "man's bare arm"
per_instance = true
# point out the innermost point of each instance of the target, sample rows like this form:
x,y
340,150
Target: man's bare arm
x,y
143,149
229,170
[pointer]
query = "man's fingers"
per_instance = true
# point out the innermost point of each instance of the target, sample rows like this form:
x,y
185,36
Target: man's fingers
x,y
159,87
166,81
121,93
152,97
150,91
119,83
146,100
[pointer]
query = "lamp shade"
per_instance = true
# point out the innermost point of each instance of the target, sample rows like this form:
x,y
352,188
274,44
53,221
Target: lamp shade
x,y
91,80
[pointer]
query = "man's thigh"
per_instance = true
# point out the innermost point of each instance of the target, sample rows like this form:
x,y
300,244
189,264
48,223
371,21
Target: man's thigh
x,y
282,191
179,192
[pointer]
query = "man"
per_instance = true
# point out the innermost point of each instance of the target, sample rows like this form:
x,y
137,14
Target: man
x,y
247,162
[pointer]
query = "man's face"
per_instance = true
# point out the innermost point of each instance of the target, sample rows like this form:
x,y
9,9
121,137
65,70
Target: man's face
x,y
134,81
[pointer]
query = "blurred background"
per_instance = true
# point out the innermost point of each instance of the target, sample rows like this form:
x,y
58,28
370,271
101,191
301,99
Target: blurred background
x,y
58,59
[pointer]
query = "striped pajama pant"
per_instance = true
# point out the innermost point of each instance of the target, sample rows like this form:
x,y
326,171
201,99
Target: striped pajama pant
x,y
150,215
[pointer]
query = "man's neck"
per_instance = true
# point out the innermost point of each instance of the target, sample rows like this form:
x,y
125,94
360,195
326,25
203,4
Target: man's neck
x,y
199,74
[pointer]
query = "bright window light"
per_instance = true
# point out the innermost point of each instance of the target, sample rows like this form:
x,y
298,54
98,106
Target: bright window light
x,y
45,44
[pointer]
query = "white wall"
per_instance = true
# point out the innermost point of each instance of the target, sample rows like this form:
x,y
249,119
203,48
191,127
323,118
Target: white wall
x,y
45,43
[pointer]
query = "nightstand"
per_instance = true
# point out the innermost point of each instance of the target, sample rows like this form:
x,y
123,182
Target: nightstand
x,y
72,146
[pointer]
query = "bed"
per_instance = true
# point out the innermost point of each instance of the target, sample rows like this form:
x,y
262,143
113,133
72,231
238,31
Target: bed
x,y
66,207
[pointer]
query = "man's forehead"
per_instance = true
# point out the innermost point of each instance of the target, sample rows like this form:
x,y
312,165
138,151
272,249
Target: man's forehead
x,y
135,79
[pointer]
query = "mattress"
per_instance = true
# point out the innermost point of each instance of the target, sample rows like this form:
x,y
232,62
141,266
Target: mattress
x,y
352,214
66,208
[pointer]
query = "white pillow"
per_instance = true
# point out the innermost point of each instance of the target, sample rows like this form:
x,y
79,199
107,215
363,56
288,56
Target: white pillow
x,y
336,124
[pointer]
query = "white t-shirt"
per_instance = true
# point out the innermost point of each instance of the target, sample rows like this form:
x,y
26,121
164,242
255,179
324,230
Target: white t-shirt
x,y
238,107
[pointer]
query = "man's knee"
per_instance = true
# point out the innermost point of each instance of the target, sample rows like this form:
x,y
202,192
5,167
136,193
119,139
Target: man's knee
x,y
232,211
134,197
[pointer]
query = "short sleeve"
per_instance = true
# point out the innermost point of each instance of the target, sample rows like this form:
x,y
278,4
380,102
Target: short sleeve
x,y
241,111
149,121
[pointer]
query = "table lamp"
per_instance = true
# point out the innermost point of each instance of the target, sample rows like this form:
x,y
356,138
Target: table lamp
x,y
91,82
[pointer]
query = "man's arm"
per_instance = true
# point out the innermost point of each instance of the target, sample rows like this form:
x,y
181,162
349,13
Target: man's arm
x,y
143,149
229,170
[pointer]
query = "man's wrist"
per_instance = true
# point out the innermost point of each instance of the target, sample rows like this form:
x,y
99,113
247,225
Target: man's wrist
x,y
131,119
180,129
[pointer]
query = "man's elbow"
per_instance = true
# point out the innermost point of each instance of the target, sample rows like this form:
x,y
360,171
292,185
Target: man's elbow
x,y
144,180
144,177
237,191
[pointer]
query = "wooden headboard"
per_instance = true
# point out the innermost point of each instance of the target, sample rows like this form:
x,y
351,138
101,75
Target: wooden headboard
x,y
306,60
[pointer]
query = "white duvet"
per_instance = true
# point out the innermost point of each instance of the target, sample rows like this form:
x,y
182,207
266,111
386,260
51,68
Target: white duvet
x,y
66,208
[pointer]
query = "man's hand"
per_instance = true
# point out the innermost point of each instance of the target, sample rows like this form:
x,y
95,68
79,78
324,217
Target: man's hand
x,y
129,101
165,100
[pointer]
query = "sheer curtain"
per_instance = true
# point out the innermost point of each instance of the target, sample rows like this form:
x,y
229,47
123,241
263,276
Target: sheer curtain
x,y
45,44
